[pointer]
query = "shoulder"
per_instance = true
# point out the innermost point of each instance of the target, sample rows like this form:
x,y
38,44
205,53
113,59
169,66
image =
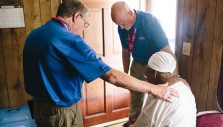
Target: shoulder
x,y
185,94
145,16
68,41
147,19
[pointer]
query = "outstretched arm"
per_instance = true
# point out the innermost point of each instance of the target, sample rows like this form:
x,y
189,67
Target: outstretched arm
x,y
123,80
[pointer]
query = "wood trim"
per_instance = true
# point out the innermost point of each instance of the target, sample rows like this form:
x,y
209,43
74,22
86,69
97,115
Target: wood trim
x,y
149,6
179,32
143,5
107,35
106,118
98,4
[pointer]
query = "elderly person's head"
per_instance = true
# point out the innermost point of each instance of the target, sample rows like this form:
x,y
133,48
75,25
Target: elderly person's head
x,y
70,7
160,68
75,14
122,15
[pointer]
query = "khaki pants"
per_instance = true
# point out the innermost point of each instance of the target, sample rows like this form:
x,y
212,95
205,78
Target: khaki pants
x,y
49,115
137,98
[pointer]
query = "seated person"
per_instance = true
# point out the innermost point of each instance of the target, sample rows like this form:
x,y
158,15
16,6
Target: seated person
x,y
158,113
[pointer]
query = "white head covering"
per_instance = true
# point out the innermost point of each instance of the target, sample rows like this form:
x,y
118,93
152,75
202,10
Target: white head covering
x,y
162,62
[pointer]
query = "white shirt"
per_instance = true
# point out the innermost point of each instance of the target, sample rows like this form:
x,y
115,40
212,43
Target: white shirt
x,y
180,113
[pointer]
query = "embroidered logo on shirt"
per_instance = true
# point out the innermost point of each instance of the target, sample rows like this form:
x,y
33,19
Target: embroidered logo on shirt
x,y
142,38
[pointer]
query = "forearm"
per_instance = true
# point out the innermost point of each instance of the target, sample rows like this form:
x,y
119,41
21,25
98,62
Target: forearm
x,y
125,81
125,60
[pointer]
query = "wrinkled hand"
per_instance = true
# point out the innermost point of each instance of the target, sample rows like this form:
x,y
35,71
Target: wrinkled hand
x,y
164,92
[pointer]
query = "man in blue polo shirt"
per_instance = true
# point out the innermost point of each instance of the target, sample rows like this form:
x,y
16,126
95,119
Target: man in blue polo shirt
x,y
141,36
56,61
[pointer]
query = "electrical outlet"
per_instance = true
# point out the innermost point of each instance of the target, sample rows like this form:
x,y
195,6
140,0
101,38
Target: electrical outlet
x,y
186,48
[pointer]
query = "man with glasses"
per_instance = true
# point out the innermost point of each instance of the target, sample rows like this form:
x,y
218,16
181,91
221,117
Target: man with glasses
x,y
56,61
141,35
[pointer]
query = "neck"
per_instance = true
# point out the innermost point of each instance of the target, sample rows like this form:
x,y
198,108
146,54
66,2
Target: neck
x,y
172,80
65,21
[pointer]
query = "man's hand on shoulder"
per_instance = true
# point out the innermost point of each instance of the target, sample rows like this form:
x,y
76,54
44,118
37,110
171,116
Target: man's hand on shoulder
x,y
164,92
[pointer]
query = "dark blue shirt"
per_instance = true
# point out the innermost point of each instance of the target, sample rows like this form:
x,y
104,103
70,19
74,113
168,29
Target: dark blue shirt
x,y
149,39
56,62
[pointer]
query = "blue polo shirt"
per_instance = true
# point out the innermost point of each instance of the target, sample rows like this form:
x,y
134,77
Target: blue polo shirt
x,y
149,39
56,62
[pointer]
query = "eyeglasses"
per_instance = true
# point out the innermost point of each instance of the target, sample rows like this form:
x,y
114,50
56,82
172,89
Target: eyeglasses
x,y
86,23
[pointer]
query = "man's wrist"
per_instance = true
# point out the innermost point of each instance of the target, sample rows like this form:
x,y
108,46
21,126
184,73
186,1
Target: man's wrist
x,y
148,88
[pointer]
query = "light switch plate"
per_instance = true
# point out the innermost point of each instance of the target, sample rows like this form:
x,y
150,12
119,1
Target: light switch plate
x,y
186,48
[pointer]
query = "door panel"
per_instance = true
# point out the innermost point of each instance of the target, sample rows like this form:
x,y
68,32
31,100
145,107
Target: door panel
x,y
102,101
95,102
117,48
94,33
121,98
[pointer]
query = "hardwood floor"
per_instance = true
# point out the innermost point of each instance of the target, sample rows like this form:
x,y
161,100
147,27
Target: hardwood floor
x,y
116,123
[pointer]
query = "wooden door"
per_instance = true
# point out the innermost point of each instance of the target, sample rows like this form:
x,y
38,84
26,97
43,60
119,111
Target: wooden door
x,y
101,101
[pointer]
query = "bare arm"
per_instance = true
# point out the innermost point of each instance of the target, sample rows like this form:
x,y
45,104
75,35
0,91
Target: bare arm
x,y
121,79
168,50
126,60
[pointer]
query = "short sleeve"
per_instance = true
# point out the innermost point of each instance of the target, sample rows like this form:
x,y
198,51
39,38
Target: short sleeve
x,y
123,38
156,32
85,61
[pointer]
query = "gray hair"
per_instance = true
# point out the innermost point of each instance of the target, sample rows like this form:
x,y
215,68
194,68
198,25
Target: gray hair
x,y
70,7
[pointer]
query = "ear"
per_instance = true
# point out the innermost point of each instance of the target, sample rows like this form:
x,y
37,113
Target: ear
x,y
131,12
159,78
165,76
75,16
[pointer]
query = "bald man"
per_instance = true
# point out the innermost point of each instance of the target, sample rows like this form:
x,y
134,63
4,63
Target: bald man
x,y
157,113
141,35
